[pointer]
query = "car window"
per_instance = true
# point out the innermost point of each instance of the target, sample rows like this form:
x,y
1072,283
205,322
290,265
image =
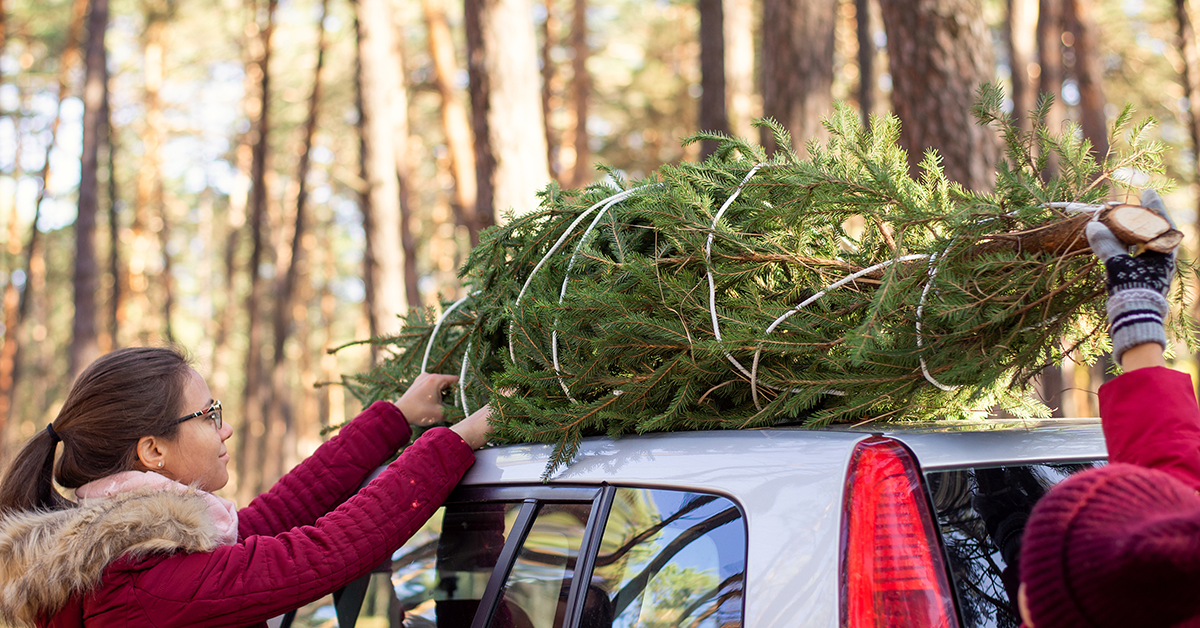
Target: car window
x,y
668,558
660,558
473,535
434,580
981,514
536,590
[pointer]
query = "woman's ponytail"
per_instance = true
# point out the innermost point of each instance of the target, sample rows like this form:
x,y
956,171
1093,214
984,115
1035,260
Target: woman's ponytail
x,y
29,482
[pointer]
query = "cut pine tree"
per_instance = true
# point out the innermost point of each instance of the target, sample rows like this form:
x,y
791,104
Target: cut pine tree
x,y
751,291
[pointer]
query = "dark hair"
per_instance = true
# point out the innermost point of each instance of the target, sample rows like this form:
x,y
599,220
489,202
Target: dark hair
x,y
115,401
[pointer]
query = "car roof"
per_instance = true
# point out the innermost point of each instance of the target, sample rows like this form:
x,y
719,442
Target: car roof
x,y
995,442
704,459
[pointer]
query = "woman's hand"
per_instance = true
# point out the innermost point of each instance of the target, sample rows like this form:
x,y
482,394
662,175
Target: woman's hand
x,y
474,429
1137,291
422,402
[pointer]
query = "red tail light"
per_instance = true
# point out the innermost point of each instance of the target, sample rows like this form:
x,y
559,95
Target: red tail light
x,y
893,571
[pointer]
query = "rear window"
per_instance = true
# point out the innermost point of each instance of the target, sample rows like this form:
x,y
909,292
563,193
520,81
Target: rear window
x,y
981,513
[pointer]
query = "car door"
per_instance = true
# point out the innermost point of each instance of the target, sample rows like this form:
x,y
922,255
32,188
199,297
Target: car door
x,y
558,557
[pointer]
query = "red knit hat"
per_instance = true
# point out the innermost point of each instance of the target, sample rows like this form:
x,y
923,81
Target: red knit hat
x,y
1116,546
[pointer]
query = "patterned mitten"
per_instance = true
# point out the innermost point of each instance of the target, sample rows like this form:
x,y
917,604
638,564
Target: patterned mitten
x,y
1137,286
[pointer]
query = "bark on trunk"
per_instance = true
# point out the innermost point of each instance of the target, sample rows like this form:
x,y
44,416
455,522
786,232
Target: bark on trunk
x,y
1050,65
253,426
1049,37
146,249
1089,75
84,344
1190,51
114,231
939,54
1021,32
455,124
11,300
381,89
502,47
365,193
866,61
797,67
739,66
474,14
581,89
713,116
408,239
549,36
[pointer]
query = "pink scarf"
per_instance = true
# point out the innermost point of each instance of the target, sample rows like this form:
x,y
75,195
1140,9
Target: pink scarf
x,y
222,511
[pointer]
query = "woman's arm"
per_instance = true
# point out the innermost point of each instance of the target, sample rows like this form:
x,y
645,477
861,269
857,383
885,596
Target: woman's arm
x,y
1151,419
264,576
329,476
1149,414
339,466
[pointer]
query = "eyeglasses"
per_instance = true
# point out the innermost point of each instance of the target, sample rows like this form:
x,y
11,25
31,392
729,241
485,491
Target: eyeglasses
x,y
213,412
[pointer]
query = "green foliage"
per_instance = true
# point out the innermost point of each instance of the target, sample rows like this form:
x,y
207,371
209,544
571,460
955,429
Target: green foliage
x,y
596,308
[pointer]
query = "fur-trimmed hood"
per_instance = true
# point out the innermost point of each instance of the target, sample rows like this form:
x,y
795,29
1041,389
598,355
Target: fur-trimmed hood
x,y
48,556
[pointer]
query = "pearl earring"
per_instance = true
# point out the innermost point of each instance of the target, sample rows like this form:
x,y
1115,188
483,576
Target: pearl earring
x,y
160,465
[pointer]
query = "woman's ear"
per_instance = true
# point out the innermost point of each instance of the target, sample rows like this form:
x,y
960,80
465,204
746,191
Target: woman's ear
x,y
151,453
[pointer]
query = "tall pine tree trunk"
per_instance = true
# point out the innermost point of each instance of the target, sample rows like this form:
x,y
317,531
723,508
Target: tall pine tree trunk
x,y
1050,66
797,66
400,144
254,426
510,148
713,116
480,89
11,300
939,54
381,86
1089,75
866,60
455,124
114,230
581,89
279,411
549,78
1190,51
366,192
84,342
739,65
1050,78
149,216
229,238
1021,33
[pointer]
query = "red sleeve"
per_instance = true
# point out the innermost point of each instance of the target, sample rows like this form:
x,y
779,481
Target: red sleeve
x,y
1151,419
265,576
329,476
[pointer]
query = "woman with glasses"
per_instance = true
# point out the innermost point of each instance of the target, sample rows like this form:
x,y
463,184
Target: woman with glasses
x,y
149,544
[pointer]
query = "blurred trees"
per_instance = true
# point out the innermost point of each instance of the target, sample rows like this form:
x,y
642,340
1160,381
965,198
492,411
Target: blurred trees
x,y
263,182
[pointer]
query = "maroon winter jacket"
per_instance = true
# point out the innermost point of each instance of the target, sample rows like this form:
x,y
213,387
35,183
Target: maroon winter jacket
x,y
294,545
1151,419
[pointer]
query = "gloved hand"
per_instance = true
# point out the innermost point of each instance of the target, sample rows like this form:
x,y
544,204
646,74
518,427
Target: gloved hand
x,y
1137,286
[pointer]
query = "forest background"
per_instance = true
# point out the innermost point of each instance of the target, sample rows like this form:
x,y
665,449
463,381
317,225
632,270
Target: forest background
x,y
262,181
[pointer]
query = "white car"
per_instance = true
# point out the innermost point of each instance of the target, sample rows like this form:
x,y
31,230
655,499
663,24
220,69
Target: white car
x,y
881,526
